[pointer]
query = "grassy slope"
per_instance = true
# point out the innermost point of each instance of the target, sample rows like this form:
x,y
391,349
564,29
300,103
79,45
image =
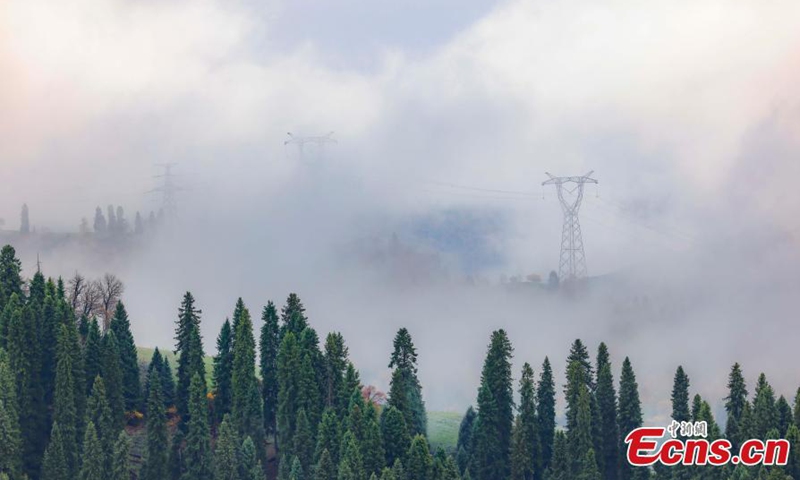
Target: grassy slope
x,y
442,426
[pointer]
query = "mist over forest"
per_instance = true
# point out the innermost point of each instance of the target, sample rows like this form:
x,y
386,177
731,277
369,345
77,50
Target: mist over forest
x,y
428,213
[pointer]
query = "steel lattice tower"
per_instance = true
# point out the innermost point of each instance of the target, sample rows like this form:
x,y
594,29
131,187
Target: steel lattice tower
x,y
318,141
572,264
168,189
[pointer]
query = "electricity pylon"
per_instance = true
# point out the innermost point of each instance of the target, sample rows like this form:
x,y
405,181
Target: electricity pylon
x,y
318,141
169,203
572,264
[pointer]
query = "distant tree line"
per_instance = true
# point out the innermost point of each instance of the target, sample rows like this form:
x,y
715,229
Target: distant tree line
x,y
284,404
114,223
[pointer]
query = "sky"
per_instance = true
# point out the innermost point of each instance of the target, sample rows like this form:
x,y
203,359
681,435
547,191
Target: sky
x,y
447,115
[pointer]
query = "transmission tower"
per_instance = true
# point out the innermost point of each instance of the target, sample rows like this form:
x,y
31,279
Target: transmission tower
x,y
318,141
572,264
168,189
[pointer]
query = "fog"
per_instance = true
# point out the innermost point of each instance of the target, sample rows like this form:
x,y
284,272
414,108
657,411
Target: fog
x,y
446,116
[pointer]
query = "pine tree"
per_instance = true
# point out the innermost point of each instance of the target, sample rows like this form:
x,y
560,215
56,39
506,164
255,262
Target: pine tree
x,y
630,418
176,466
197,453
464,442
579,418
160,366
92,354
525,454
396,439
328,436
10,278
10,440
293,317
288,364
119,461
487,461
303,446
156,463
129,363
444,467
111,372
94,461
559,462
588,468
336,359
24,224
100,224
325,468
269,344
249,466
680,396
296,472
189,349
419,463
246,409
223,371
99,414
405,391
371,444
25,361
546,412
784,415
765,413
55,465
793,466
351,465
579,353
607,409
226,463
734,405
64,411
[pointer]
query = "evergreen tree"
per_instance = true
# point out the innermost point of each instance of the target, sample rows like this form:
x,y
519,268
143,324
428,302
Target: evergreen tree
x,y
559,462
10,441
10,278
176,466
588,468
396,439
92,354
129,363
579,353
336,354
226,463
99,414
25,361
223,371
249,466
405,391
303,447
246,407
325,468
784,415
630,418
351,465
419,463
293,317
793,466
269,343
288,365
119,461
487,461
94,461
55,465
579,419
680,396
525,452
734,405
111,371
464,442
297,470
372,445
25,223
328,436
64,411
189,349
546,412
765,413
197,451
100,224
156,462
159,365
607,409
797,408
444,467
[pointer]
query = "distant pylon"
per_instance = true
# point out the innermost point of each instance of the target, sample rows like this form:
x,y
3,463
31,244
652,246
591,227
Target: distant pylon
x,y
168,189
572,263
318,141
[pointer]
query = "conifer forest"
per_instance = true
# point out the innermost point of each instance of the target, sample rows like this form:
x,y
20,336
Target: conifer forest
x,y
283,401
